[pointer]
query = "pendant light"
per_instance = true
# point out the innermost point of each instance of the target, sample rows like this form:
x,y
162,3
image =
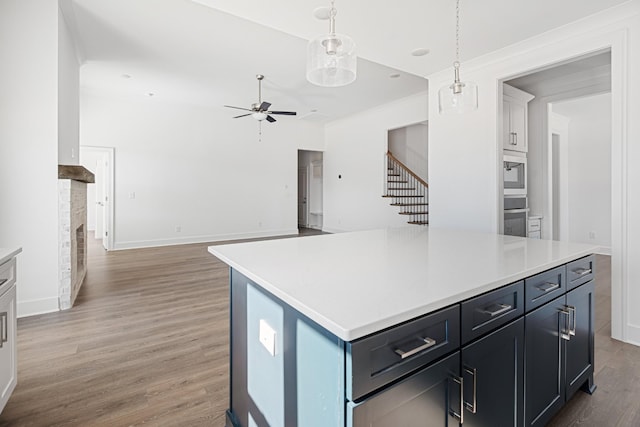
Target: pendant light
x,y
459,97
331,58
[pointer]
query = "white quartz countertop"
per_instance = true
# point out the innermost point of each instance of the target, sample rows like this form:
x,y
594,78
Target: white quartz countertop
x,y
354,284
7,254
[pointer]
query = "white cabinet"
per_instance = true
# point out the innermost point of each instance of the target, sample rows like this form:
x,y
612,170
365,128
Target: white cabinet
x,y
514,118
8,348
534,227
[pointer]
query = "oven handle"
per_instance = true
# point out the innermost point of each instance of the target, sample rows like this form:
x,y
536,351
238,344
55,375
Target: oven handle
x,y
516,210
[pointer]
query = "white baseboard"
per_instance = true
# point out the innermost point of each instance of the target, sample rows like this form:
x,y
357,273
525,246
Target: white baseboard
x,y
633,335
37,306
202,239
333,230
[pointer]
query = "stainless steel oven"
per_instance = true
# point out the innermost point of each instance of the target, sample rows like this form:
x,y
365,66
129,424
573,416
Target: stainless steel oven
x,y
515,175
515,216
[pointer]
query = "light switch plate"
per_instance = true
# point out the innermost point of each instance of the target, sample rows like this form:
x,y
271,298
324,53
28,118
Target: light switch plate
x,y
267,337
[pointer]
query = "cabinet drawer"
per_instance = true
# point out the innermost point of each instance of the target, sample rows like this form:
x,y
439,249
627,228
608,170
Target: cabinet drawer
x,y
386,356
7,275
491,310
580,271
534,225
534,235
544,287
428,397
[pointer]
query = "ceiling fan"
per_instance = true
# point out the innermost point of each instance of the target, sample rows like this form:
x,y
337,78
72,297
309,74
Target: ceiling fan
x,y
260,110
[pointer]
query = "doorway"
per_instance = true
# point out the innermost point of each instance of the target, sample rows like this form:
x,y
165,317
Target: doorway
x,y
310,173
604,76
100,207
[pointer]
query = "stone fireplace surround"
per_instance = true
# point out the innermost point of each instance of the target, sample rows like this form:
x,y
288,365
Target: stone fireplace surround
x,y
72,231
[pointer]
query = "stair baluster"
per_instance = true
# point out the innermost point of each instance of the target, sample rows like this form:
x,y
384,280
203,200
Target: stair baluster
x,y
406,190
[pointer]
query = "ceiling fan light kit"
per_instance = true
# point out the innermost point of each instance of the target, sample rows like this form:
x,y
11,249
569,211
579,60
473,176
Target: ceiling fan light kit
x,y
331,58
260,110
459,97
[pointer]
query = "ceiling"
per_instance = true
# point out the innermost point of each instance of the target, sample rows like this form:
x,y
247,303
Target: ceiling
x,y
207,52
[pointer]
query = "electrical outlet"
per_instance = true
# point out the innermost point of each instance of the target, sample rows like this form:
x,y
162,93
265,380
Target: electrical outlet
x,y
592,235
132,195
178,228
267,337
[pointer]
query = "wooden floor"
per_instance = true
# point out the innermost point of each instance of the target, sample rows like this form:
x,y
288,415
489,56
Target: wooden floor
x,y
147,344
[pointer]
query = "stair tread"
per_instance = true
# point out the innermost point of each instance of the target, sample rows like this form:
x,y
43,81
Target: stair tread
x,y
402,188
390,181
418,222
403,197
413,213
393,174
409,204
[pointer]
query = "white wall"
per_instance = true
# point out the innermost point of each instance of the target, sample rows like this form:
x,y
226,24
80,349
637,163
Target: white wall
x,y
355,150
467,196
589,168
410,145
68,96
29,147
196,168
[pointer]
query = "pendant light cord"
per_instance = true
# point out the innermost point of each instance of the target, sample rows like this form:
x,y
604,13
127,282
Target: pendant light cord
x,y
332,18
458,32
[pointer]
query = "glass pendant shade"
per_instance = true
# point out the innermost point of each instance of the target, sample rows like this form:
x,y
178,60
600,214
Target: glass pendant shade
x,y
331,60
461,100
458,97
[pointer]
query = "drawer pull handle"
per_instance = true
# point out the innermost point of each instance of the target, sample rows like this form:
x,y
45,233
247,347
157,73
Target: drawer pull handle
x,y
472,407
572,320
582,271
4,328
459,415
548,287
565,333
496,309
428,342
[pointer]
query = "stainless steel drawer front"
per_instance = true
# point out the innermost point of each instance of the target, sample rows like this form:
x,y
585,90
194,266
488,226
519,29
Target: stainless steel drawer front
x,y
544,287
487,312
379,359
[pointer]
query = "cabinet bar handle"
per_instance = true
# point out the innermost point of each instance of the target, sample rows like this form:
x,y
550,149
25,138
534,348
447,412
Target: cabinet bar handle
x,y
4,328
548,287
514,140
428,342
496,309
582,271
472,407
565,333
459,415
572,320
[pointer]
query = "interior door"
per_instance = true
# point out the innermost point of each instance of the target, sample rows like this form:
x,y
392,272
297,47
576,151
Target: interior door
x,y
105,208
303,210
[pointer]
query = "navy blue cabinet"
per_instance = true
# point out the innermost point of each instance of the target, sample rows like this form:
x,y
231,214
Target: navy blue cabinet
x,y
559,353
493,370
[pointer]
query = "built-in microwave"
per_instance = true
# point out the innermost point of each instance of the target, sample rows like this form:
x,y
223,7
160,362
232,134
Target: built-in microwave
x,y
515,175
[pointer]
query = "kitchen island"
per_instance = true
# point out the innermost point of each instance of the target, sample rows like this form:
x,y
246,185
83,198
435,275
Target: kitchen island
x,y
385,327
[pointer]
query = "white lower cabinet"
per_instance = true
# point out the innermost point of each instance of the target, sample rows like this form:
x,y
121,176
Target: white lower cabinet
x,y
8,348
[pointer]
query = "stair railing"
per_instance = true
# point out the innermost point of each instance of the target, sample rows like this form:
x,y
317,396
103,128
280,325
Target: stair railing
x,y
407,191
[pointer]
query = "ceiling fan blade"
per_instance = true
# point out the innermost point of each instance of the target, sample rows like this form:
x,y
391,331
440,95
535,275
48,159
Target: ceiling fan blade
x,y
238,108
286,113
264,106
243,115
270,119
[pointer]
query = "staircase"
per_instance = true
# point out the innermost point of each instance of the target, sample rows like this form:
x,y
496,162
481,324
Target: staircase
x,y
407,191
